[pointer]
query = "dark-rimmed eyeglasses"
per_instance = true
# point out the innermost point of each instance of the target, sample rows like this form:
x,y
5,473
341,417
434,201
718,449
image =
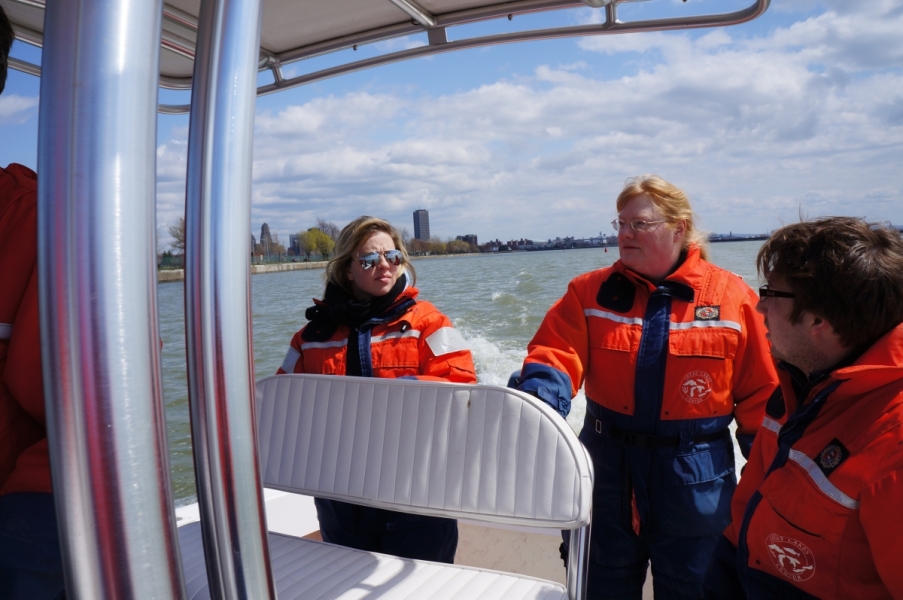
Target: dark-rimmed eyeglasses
x,y
635,224
766,292
371,259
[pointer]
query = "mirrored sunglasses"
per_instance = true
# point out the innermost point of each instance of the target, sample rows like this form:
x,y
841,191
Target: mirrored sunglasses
x,y
371,259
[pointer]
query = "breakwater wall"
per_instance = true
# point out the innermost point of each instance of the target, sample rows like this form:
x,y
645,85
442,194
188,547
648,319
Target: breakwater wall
x,y
166,275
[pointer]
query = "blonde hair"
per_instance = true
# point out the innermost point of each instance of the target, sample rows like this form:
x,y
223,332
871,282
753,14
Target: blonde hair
x,y
352,237
671,202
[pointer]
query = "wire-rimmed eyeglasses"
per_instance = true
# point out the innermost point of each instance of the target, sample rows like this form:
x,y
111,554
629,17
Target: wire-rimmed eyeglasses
x,y
635,224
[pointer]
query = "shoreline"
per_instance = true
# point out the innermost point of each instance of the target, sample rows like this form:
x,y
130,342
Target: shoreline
x,y
173,275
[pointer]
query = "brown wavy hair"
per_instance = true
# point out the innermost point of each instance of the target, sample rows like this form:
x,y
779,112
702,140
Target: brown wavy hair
x,y
843,269
352,237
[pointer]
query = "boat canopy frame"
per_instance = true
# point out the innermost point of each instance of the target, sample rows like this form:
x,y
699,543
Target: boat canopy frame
x,y
420,21
97,276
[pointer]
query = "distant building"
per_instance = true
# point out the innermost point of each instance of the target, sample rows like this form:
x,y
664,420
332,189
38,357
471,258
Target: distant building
x,y
470,238
266,240
253,243
422,225
294,244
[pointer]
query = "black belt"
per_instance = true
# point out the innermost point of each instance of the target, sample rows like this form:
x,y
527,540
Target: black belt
x,y
644,440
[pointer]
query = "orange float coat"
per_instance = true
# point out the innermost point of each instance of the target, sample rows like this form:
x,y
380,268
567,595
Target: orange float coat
x,y
421,343
718,362
666,367
24,460
817,512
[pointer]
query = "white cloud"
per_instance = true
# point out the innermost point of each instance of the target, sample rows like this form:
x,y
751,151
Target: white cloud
x,y
16,109
756,128
398,44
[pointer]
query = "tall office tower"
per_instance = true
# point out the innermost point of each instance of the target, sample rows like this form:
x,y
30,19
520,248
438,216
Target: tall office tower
x,y
422,225
266,240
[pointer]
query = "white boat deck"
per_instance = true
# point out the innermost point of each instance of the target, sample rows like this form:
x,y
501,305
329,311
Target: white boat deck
x,y
511,549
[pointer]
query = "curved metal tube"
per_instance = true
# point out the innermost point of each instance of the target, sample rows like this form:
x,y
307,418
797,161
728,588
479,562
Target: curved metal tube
x,y
97,284
25,67
218,301
415,12
607,28
578,563
466,16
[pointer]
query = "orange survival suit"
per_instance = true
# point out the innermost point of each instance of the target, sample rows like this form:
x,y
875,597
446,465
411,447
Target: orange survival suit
x,y
24,459
666,368
407,339
30,560
817,512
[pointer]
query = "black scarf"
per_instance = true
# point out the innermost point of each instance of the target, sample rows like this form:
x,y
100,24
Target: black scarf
x,y
341,308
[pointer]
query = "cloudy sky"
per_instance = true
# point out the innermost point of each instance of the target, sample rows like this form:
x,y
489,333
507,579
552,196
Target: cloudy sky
x,y
799,112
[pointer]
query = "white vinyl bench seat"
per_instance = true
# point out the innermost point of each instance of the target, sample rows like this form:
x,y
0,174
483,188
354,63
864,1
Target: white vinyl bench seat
x,y
471,452
308,570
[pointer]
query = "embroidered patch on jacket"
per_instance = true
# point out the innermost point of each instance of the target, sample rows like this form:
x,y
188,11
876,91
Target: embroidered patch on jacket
x,y
832,457
707,313
696,387
790,557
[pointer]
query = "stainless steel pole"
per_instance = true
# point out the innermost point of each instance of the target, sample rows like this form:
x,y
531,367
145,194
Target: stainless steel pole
x,y
97,286
578,563
217,300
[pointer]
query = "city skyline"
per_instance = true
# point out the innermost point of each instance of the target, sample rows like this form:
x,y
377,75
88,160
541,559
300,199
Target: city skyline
x,y
795,113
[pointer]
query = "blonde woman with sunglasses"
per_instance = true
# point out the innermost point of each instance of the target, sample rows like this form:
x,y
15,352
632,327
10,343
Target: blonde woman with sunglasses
x,y
371,324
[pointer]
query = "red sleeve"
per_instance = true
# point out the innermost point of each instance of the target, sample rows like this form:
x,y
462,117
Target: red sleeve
x,y
752,476
755,377
444,354
294,359
24,462
879,507
562,341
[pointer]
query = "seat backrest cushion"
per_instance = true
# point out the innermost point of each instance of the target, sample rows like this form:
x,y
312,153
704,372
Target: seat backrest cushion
x,y
462,451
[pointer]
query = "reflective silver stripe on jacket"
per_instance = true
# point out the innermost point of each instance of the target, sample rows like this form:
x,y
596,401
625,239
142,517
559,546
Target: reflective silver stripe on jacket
x,y
771,425
337,344
395,335
703,324
6,331
291,357
592,312
826,487
446,341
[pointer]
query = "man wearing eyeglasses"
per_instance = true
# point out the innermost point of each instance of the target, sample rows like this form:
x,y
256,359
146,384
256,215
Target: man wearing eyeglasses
x,y
817,512
670,350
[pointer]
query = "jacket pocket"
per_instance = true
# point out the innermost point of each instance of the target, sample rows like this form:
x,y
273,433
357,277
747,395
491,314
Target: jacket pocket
x,y
704,342
696,492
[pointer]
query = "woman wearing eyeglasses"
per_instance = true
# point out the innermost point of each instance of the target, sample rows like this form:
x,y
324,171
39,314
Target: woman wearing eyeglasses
x,y
371,324
670,350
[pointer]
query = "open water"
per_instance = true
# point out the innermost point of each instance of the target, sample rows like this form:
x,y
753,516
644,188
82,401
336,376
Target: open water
x,y
497,301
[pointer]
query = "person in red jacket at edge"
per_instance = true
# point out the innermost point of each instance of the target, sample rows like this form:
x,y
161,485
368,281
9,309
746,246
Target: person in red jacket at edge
x,y
817,513
30,561
371,324
671,350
